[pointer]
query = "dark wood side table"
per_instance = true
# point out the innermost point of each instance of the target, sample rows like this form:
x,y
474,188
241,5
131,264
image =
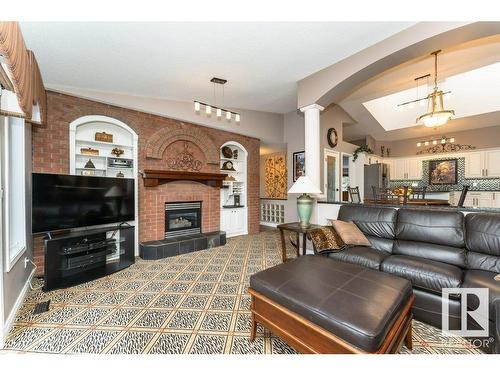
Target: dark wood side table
x,y
298,230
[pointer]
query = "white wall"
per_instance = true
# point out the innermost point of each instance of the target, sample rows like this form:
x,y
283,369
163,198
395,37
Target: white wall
x,y
15,282
266,126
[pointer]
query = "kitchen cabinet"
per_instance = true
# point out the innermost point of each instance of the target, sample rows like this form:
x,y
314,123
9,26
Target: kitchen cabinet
x,y
482,164
233,221
474,164
406,169
492,163
479,199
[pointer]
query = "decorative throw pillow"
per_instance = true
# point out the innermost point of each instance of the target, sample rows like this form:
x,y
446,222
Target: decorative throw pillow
x,y
350,233
326,239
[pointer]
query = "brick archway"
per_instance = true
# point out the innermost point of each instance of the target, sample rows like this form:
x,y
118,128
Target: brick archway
x,y
161,139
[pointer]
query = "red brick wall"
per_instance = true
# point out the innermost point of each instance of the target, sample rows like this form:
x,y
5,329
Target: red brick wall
x,y
51,155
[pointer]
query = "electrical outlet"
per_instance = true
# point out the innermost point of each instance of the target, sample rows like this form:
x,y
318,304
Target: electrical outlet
x,y
26,262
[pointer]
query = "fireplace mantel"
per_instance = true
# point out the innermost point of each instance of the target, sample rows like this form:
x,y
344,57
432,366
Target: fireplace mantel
x,y
154,178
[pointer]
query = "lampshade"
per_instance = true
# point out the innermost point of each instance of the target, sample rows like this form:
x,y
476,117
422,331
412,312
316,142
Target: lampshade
x,y
304,185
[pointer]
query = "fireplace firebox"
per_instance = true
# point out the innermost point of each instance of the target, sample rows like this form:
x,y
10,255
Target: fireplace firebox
x,y
182,218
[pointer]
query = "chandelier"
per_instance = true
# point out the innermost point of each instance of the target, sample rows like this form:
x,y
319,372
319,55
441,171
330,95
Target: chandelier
x,y
436,114
219,111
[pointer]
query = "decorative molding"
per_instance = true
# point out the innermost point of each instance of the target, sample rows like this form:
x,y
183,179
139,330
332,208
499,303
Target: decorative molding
x,y
312,106
447,147
184,161
160,140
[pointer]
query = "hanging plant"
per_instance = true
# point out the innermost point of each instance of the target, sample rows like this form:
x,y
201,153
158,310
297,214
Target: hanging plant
x,y
363,148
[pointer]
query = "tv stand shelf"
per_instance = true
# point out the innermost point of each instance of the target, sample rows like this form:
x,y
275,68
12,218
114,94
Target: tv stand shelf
x,y
81,256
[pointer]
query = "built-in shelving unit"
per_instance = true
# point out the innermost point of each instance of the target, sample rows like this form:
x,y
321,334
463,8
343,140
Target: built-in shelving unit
x,y
234,219
106,164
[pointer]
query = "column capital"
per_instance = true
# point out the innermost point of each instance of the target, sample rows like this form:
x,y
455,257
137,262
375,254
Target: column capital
x,y
312,106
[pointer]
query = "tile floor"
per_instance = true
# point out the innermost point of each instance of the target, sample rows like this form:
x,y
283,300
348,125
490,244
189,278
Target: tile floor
x,y
194,303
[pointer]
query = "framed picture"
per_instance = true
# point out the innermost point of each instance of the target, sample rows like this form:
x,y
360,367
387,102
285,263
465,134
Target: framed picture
x,y
299,165
443,172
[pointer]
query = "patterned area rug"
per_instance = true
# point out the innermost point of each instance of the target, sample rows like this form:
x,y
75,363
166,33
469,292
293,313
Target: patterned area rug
x,y
193,303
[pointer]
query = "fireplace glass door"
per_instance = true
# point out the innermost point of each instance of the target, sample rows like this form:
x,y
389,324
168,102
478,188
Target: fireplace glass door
x,y
182,218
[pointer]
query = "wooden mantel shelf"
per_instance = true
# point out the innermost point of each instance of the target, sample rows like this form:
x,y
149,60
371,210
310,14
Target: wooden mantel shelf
x,y
156,177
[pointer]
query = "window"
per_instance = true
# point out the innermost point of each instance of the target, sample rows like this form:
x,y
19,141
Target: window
x,y
14,188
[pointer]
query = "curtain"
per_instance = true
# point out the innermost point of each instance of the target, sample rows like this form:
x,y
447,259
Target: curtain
x,y
39,94
23,69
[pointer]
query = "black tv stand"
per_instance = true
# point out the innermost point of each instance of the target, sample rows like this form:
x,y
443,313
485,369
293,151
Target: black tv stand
x,y
80,256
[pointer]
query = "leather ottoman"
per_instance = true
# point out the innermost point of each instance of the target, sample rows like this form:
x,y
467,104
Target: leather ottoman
x,y
320,305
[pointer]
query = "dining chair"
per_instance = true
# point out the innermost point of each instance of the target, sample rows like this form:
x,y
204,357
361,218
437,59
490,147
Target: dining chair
x,y
354,194
418,193
405,195
380,193
461,200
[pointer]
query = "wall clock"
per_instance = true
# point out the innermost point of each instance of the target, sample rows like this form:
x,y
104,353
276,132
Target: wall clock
x,y
332,137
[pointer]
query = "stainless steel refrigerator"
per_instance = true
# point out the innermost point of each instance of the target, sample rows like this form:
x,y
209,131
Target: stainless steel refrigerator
x,y
375,175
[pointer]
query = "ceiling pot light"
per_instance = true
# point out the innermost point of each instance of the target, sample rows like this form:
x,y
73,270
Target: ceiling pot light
x,y
437,115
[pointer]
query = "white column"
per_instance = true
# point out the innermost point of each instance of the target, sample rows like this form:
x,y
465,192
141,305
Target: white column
x,y
312,142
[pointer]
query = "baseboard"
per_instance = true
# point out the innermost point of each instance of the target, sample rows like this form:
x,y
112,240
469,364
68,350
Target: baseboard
x,y
20,299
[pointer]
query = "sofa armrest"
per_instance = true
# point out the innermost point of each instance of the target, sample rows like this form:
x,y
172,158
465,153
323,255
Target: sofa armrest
x,y
496,350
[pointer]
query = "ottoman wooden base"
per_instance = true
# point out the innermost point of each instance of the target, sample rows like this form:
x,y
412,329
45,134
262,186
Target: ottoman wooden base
x,y
307,337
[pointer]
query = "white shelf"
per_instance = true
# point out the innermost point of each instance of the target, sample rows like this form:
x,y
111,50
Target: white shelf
x,y
232,160
102,143
91,169
91,156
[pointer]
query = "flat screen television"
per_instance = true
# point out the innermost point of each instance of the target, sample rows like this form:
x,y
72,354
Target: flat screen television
x,y
66,202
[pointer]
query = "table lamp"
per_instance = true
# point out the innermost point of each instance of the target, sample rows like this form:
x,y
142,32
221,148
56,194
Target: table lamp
x,y
304,186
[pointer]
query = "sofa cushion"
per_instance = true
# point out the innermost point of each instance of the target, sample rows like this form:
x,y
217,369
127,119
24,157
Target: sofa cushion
x,y
440,253
362,255
483,241
372,221
325,238
483,279
350,233
337,296
423,273
439,227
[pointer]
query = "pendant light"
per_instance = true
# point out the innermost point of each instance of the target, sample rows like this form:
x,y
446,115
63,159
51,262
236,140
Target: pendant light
x,y
436,114
219,111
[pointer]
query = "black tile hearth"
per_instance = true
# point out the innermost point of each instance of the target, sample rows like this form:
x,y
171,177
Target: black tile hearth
x,y
169,247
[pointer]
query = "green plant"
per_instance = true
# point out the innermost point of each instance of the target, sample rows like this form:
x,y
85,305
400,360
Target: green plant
x,y
363,148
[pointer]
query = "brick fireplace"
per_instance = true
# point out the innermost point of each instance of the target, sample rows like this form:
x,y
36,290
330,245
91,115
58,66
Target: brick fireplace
x,y
160,140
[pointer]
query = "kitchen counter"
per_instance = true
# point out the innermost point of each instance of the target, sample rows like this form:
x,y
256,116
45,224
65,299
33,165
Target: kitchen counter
x,y
449,208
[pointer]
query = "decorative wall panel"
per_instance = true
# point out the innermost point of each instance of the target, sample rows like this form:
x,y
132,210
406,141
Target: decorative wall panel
x,y
276,176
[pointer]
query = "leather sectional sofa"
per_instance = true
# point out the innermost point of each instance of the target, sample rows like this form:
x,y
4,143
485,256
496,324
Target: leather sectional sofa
x,y
434,249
